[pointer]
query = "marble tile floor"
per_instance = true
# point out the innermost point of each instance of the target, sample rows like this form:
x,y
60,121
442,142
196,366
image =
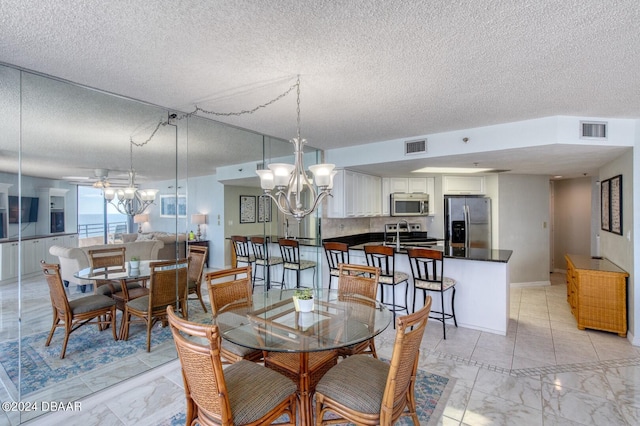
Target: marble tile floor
x,y
543,372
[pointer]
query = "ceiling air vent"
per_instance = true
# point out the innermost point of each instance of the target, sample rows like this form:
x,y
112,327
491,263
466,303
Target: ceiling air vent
x,y
415,147
593,130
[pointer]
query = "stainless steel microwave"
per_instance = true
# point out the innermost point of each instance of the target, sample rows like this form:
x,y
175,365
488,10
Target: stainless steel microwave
x,y
414,204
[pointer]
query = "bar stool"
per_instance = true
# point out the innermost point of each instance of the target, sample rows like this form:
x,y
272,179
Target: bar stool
x,y
383,257
428,275
336,253
242,251
290,251
261,253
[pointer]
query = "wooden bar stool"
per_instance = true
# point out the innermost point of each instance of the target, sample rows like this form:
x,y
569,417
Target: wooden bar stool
x,y
336,253
383,257
427,269
290,250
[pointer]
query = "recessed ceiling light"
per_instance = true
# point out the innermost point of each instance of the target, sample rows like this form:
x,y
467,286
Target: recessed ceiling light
x,y
451,170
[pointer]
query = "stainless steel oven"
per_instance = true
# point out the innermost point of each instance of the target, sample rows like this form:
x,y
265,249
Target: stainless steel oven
x,y
414,204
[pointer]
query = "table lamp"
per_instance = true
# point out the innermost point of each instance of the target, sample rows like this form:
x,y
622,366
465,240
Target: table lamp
x,y
140,219
199,219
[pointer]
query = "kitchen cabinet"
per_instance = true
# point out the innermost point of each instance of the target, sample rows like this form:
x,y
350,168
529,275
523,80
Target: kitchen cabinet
x,y
463,185
32,253
597,294
4,210
9,265
354,195
408,185
51,211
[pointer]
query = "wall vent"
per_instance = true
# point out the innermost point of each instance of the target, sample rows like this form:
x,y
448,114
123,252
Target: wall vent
x,y
593,130
415,147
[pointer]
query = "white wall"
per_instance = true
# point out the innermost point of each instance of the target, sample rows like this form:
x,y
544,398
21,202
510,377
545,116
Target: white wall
x,y
572,219
619,248
523,213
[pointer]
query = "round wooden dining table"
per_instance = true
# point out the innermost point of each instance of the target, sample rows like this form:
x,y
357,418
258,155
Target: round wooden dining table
x,y
271,323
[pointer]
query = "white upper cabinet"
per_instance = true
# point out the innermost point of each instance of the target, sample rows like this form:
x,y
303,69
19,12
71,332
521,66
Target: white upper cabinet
x,y
463,185
407,185
354,195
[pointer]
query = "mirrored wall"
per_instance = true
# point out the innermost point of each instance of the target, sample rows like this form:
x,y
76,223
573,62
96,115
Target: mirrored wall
x,y
55,137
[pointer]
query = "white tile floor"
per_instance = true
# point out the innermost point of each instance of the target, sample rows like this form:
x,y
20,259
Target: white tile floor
x,y
543,372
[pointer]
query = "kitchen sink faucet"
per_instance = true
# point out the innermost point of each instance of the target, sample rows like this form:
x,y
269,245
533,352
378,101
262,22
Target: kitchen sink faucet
x,y
398,232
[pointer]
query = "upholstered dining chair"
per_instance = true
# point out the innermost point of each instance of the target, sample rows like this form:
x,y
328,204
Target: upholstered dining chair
x,y
73,314
197,257
290,251
383,257
368,391
336,254
265,259
231,294
244,393
427,267
358,280
167,286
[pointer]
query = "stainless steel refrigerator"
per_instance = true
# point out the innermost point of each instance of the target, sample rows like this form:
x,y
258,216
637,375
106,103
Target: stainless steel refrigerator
x,y
467,221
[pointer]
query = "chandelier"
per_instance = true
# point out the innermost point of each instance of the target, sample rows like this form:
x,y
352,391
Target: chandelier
x,y
290,180
130,201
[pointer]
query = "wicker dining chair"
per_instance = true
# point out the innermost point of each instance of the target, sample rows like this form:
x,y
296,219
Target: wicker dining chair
x,y
234,294
197,257
112,260
368,391
358,280
167,286
244,393
76,313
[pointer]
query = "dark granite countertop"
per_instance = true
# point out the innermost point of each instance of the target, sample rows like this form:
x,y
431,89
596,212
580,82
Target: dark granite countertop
x,y
359,241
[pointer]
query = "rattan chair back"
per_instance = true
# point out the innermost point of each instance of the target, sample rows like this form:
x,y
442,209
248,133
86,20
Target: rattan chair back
x,y
107,260
404,364
358,279
197,257
233,293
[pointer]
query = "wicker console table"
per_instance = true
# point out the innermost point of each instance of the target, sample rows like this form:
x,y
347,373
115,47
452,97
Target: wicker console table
x,y
597,294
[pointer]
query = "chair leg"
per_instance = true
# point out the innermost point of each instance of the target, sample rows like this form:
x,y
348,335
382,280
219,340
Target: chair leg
x,y
453,307
67,332
199,293
444,329
149,327
56,320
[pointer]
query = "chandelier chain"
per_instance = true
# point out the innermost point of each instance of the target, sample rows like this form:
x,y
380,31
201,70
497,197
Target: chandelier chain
x,y
224,114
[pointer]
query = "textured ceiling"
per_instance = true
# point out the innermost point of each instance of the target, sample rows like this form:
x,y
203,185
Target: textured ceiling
x,y
370,70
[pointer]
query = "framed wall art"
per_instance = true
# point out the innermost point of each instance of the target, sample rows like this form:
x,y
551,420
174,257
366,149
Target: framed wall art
x,y
170,205
247,208
264,209
611,205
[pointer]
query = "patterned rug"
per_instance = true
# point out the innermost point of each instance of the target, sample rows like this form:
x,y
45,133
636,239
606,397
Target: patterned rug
x,y
430,389
88,349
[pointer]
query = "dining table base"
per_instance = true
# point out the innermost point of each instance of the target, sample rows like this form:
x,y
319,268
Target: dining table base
x,y
305,369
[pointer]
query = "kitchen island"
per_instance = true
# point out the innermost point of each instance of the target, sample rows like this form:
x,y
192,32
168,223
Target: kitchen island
x,y
482,282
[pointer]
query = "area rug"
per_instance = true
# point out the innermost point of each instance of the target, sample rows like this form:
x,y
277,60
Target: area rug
x,y
88,349
432,392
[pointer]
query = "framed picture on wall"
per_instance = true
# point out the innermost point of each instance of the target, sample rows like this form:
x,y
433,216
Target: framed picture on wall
x,y
611,204
615,204
264,209
170,206
247,209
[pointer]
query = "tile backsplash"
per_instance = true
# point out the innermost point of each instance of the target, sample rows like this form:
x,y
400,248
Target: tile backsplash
x,y
349,226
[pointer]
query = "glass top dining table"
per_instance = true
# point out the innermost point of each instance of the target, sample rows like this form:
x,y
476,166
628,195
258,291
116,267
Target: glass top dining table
x,y
270,321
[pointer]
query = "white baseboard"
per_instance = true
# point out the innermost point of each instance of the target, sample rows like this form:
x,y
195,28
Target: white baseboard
x,y
530,284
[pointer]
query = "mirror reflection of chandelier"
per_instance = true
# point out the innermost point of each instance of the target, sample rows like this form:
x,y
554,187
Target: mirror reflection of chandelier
x,y
130,200
290,180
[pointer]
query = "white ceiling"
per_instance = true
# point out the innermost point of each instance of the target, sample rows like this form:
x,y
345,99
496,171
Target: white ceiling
x,y
370,70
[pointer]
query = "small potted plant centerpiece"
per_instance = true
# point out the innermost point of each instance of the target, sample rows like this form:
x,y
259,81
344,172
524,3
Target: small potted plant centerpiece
x,y
134,263
303,299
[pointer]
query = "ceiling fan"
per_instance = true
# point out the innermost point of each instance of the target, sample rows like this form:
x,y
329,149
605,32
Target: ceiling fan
x,y
100,180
